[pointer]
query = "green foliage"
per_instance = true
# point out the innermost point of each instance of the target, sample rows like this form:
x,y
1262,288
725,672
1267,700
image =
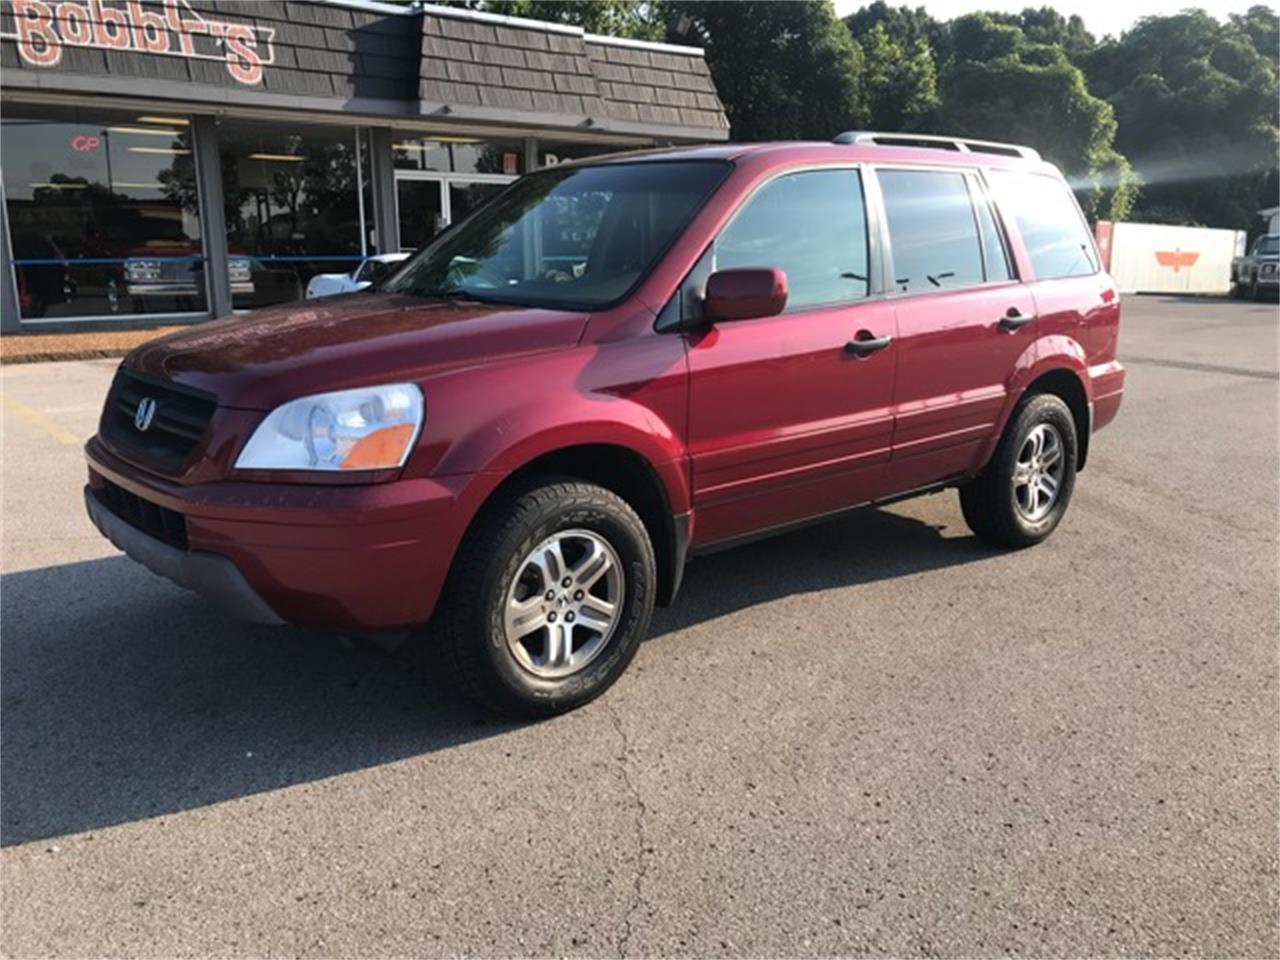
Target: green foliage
x,y
1000,85
784,70
899,81
619,18
1190,101
1196,107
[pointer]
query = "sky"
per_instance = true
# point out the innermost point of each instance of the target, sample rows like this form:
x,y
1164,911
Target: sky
x,y
1100,17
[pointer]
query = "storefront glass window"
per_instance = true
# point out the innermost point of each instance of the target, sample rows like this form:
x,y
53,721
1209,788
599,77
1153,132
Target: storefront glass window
x,y
459,155
293,207
552,152
104,215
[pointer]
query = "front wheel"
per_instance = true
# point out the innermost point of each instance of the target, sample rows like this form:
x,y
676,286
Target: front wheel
x,y
1024,491
549,598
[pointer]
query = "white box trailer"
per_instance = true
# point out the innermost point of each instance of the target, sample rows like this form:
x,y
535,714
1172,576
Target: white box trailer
x,y
1158,258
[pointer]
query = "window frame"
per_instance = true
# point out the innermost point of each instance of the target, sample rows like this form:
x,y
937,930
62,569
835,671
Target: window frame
x,y
977,189
666,322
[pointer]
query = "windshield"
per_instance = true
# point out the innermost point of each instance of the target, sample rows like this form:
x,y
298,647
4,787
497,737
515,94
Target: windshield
x,y
575,237
1268,246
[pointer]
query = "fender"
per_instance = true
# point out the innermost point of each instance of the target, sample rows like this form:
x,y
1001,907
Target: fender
x,y
1045,354
480,422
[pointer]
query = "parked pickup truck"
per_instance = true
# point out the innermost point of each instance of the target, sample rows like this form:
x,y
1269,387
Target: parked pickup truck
x,y
1258,272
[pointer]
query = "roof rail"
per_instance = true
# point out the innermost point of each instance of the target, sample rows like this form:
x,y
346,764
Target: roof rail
x,y
933,142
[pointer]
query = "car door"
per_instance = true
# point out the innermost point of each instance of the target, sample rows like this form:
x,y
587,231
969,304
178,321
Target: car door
x,y
786,421
1075,298
965,322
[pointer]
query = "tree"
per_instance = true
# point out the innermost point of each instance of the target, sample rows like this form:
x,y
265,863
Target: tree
x,y
1196,106
998,85
637,19
905,26
783,69
899,81
1047,26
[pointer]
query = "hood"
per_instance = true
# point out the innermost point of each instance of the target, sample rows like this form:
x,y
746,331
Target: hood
x,y
259,360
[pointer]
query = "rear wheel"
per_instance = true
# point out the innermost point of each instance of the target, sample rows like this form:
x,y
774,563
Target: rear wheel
x,y
549,598
1022,495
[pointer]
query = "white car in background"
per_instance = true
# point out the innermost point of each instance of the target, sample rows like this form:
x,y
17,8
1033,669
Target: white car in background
x,y
371,269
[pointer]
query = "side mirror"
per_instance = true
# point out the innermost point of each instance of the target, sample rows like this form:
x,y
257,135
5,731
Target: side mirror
x,y
745,293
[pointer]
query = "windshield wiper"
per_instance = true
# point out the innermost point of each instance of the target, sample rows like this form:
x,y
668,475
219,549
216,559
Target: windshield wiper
x,y
456,294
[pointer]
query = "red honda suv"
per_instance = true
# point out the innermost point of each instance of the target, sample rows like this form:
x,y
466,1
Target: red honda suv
x,y
520,438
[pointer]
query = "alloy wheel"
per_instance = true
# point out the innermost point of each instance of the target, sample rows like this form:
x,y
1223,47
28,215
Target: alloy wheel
x,y
1038,471
564,603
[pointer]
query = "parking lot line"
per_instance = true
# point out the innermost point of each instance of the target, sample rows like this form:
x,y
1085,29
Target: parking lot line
x,y
38,420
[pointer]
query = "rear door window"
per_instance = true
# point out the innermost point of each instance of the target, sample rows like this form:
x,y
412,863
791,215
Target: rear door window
x,y
1053,229
933,232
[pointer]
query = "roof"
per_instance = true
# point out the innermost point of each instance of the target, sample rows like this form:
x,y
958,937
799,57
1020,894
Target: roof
x,y
372,59
823,152
598,82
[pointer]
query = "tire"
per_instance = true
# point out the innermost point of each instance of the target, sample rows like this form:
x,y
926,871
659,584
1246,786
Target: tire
x,y
1257,290
532,677
1000,510
1237,289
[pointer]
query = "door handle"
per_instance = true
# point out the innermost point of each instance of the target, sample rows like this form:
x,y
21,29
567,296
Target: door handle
x,y
865,344
1014,319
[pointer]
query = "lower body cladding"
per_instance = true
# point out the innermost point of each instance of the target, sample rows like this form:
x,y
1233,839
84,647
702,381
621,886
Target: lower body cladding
x,y
355,558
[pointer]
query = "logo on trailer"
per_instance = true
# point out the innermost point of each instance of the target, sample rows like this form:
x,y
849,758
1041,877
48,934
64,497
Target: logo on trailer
x,y
1177,258
145,413
171,28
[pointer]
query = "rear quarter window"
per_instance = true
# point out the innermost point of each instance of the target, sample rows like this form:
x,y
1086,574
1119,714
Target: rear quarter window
x,y
1053,230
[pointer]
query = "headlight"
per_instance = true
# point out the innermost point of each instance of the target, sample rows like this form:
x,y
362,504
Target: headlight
x,y
368,429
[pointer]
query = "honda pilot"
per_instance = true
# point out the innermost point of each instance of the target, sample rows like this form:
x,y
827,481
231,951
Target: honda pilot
x,y
510,450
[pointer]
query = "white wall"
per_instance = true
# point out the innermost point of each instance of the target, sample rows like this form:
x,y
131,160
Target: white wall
x,y
1155,258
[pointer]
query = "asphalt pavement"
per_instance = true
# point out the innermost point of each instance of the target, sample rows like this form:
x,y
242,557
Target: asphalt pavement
x,y
875,736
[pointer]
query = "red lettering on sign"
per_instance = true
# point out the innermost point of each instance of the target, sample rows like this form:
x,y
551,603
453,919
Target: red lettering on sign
x,y
36,39
82,143
150,32
77,28
171,29
110,27
242,59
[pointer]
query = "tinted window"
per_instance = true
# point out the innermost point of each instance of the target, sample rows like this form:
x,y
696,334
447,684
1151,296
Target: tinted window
x,y
931,229
577,237
104,212
1267,246
810,225
293,208
1052,229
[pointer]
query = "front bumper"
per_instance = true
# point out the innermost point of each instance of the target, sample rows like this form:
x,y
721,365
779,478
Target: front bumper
x,y
357,558
208,574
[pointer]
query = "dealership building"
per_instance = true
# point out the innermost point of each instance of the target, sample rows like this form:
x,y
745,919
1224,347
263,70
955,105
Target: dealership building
x,y
175,160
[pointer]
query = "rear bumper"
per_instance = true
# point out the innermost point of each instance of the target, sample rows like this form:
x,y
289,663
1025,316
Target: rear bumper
x,y
356,558
1106,390
208,574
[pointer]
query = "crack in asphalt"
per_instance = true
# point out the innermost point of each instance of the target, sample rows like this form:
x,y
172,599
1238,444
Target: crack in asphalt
x,y
637,898
1204,367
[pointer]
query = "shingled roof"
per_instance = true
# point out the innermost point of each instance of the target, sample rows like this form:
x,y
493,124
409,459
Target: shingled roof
x,y
368,58
589,81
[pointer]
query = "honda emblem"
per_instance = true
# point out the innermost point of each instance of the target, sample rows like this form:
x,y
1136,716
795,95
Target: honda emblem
x,y
145,413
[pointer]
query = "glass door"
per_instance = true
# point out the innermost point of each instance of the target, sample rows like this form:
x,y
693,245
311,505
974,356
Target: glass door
x,y
420,210
426,203
466,195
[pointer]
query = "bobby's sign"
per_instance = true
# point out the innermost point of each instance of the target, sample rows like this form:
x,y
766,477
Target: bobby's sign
x,y
43,29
